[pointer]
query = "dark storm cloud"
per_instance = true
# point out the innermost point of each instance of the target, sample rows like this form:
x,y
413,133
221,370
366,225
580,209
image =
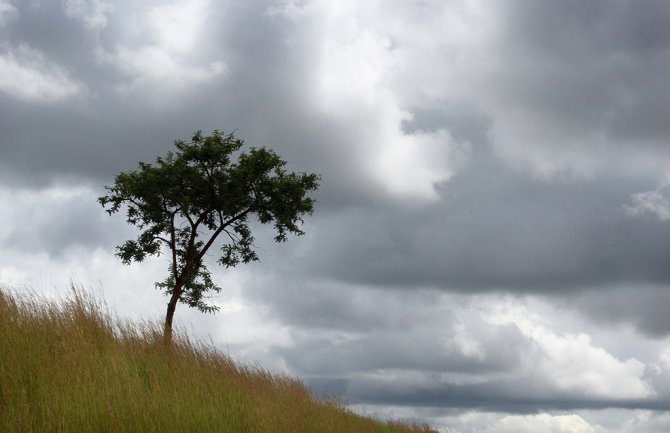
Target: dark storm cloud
x,y
644,307
502,395
572,89
104,130
263,67
101,132
596,62
497,230
405,348
46,27
415,350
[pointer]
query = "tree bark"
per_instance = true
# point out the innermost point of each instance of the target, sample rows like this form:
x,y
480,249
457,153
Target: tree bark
x,y
169,315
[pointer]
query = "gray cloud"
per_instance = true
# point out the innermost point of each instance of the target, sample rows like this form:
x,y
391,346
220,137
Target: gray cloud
x,y
644,307
58,220
496,230
502,396
424,348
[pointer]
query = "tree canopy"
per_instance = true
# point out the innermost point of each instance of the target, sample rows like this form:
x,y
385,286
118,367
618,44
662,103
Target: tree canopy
x,y
203,195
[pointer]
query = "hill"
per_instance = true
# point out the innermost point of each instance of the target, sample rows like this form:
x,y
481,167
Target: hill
x,y
67,366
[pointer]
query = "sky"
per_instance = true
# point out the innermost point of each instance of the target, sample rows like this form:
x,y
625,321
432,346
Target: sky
x,y
489,251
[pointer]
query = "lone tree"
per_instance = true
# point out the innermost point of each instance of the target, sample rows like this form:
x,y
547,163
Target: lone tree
x,y
202,193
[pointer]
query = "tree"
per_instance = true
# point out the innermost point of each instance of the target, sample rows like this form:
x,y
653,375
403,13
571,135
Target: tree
x,y
199,194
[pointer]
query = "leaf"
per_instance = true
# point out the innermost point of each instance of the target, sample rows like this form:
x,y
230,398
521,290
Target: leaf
x,y
204,193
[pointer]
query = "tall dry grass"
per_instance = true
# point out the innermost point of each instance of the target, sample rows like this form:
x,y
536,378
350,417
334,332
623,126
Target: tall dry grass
x,y
67,366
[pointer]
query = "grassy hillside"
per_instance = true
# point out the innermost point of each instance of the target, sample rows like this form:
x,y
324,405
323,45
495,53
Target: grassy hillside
x,y
68,367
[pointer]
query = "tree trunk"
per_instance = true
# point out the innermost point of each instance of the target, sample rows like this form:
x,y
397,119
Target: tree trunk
x,y
171,306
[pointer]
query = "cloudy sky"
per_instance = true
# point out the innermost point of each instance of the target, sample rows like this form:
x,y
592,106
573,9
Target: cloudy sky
x,y
490,247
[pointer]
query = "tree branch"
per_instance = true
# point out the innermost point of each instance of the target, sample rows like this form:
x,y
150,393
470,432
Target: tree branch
x,y
219,230
131,200
160,238
232,237
188,217
173,245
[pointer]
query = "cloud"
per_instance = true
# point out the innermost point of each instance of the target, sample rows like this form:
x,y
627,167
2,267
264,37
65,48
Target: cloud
x,y
354,86
157,63
554,121
592,421
57,220
495,229
649,421
7,11
653,202
543,422
426,348
27,74
94,13
168,56
573,363
646,311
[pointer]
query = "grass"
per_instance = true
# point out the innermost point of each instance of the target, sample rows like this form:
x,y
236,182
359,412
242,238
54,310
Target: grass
x,y
67,366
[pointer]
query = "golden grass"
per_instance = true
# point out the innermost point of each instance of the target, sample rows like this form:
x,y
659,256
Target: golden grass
x,y
66,366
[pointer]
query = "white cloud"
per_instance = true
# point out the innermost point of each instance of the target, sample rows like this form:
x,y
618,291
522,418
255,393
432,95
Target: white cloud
x,y
461,341
41,211
571,362
156,64
653,202
646,421
544,422
293,10
574,363
412,165
553,121
170,60
583,421
178,26
473,68
25,73
665,359
357,66
94,13
7,10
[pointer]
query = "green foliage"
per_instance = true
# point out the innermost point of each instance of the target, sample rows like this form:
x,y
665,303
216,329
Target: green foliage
x,y
200,193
